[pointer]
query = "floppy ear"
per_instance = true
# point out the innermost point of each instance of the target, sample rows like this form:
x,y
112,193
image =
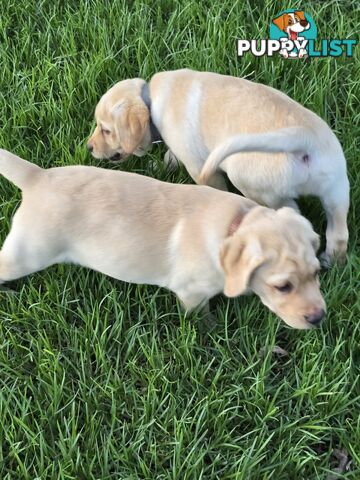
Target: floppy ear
x,y
131,121
239,262
300,14
280,22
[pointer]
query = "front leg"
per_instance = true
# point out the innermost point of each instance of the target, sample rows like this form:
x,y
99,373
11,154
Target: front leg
x,y
218,181
192,301
198,303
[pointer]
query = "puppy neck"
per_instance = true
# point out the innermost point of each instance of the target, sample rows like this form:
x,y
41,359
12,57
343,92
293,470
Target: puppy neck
x,y
145,95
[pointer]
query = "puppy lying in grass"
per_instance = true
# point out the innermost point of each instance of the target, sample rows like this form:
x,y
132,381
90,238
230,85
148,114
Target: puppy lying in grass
x,y
208,121
195,241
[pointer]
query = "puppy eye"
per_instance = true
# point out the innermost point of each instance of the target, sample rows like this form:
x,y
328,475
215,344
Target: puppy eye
x,y
286,288
105,131
290,21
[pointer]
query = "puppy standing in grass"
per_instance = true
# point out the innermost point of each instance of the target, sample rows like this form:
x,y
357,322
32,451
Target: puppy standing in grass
x,y
195,241
208,121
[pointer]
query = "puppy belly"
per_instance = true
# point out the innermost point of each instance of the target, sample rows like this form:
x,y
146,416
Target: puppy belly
x,y
127,266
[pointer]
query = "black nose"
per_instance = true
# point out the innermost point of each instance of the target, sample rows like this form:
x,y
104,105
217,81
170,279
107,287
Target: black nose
x,y
304,23
316,317
90,147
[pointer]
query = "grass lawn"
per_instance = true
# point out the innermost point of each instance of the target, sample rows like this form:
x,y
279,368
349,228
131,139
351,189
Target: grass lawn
x,y
105,380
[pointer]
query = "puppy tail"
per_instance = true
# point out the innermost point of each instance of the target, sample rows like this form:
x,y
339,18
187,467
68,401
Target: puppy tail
x,y
18,171
290,139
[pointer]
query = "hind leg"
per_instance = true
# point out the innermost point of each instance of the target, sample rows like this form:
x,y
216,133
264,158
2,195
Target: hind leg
x,y
290,202
336,205
22,253
284,202
272,200
217,180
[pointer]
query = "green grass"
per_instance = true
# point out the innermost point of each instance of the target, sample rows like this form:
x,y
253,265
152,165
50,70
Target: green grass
x,y
105,380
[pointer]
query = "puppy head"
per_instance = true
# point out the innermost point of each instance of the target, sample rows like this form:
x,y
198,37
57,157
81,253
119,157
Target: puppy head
x,y
273,253
292,23
122,122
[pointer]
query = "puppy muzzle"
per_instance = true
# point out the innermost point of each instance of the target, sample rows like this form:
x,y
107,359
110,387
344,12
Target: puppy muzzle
x,y
315,318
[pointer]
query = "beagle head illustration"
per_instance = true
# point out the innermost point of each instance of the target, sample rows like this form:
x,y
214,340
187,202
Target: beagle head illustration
x,y
292,23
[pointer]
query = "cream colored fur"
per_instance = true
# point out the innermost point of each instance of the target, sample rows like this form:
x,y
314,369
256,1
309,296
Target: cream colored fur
x,y
138,229
209,121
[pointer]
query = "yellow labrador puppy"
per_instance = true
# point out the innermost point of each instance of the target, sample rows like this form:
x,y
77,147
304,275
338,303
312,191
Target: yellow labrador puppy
x,y
195,241
209,120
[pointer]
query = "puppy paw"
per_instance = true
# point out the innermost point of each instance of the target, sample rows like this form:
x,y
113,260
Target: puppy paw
x,y
325,260
336,258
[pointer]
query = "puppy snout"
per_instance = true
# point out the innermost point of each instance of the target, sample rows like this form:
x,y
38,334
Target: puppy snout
x,y
90,147
315,317
304,23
